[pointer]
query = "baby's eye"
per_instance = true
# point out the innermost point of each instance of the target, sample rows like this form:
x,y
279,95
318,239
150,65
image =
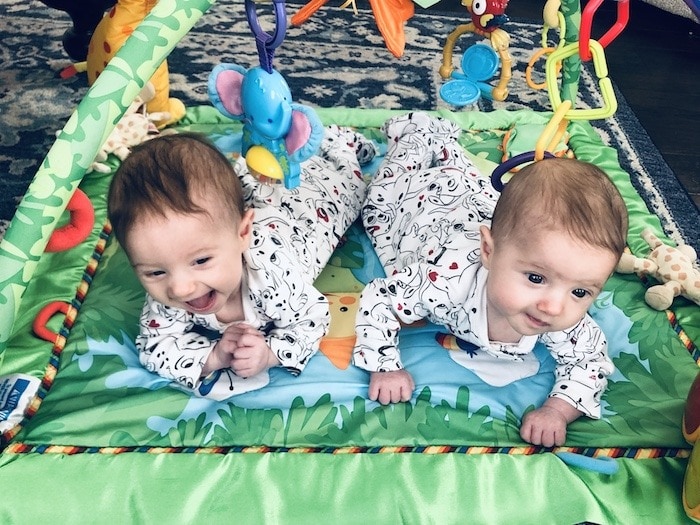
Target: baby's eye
x,y
202,260
535,278
154,273
580,293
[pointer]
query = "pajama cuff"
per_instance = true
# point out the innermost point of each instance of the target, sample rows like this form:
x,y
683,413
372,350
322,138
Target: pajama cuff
x,y
373,357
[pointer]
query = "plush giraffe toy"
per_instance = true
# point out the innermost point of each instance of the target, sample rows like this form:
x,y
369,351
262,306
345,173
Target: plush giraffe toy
x,y
110,34
135,127
672,267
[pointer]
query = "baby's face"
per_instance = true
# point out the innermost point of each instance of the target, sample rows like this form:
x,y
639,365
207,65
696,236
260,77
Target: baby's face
x,y
189,261
542,284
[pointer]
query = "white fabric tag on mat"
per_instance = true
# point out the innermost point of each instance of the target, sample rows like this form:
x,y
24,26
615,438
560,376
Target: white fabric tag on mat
x,y
16,392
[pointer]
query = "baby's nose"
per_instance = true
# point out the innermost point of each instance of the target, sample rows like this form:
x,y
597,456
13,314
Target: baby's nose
x,y
552,304
180,287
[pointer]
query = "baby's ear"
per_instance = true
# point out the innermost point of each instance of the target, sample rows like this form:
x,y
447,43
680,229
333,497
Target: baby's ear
x,y
245,227
486,245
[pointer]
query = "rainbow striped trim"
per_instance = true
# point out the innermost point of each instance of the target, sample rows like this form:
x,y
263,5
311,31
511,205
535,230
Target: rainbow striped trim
x,y
617,452
683,336
60,343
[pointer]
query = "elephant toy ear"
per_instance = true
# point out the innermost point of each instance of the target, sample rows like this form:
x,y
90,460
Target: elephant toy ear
x,y
305,134
224,88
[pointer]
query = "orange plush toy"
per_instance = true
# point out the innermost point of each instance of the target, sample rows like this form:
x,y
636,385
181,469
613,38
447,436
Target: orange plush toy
x,y
110,34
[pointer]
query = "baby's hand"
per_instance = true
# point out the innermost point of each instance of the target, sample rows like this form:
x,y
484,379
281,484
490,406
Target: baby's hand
x,y
222,353
391,387
252,354
547,425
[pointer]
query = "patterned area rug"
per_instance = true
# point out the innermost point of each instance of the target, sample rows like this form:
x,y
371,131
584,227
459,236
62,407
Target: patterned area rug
x,y
337,58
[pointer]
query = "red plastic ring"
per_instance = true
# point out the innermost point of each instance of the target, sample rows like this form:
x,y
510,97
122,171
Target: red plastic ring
x,y
584,36
42,318
82,219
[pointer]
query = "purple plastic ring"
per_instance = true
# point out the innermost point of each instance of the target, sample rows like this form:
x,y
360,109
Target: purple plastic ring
x,y
267,43
506,166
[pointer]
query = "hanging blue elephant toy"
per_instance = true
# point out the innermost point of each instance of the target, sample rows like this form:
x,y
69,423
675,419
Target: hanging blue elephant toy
x,y
278,134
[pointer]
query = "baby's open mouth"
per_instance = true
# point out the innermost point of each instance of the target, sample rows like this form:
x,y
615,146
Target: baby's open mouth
x,y
203,303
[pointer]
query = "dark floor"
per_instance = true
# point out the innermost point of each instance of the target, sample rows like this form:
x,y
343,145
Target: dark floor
x,y
656,64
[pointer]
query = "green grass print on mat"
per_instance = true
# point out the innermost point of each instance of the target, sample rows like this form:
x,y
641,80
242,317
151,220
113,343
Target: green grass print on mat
x,y
642,407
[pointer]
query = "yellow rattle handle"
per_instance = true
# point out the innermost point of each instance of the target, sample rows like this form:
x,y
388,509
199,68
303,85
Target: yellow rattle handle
x,y
553,131
263,165
550,12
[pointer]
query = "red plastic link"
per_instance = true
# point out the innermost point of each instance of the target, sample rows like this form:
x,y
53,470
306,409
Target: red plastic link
x,y
47,312
623,16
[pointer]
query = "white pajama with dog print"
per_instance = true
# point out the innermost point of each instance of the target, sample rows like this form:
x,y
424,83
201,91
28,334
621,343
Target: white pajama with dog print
x,y
294,234
423,212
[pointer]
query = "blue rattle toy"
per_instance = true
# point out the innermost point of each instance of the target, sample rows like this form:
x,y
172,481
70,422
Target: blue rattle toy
x,y
278,134
479,63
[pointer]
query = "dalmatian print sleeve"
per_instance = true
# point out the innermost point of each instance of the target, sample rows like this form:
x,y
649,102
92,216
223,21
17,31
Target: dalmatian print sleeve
x,y
416,292
582,365
169,344
376,326
294,313
296,334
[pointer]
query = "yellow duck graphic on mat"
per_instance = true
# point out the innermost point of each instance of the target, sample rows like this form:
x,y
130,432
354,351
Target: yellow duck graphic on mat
x,y
338,343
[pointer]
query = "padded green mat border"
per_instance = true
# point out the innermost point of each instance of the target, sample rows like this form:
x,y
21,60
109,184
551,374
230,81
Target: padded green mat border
x,y
340,489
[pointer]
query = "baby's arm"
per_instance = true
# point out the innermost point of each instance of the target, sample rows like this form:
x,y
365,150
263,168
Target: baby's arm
x,y
406,296
580,380
580,377
169,347
300,323
547,424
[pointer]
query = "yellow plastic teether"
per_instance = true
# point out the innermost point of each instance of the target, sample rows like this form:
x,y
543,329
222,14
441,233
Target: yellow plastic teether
x,y
264,165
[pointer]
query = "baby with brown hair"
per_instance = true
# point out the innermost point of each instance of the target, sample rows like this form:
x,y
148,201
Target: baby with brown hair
x,y
228,263
500,273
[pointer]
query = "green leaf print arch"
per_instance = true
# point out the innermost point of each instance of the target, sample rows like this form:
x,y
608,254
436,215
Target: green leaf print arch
x,y
78,143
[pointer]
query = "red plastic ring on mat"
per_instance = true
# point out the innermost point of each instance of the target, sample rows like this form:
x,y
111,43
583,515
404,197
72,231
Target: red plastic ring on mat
x,y
513,162
42,318
82,219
